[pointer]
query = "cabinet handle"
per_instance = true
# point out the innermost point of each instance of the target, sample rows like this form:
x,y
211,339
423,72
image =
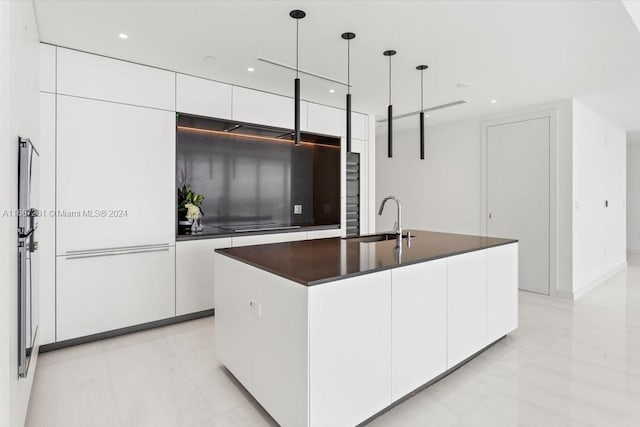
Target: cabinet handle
x,y
116,253
118,248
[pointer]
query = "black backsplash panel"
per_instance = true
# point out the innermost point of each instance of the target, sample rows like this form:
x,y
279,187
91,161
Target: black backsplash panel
x,y
248,181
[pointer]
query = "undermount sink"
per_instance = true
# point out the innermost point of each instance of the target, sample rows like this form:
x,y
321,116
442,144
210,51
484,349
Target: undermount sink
x,y
375,238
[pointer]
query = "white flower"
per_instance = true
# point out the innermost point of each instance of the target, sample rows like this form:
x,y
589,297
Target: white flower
x,y
193,212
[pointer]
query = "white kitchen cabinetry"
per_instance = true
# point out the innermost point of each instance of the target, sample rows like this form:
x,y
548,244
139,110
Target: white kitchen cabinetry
x,y
466,305
194,274
97,77
418,325
102,292
325,120
324,234
264,108
47,68
203,97
261,239
47,222
338,352
502,291
349,349
115,175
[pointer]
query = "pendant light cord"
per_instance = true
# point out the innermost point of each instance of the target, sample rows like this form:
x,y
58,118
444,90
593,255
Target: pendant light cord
x,y
297,46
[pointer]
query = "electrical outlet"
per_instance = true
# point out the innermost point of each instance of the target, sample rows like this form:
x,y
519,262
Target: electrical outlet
x,y
297,209
256,308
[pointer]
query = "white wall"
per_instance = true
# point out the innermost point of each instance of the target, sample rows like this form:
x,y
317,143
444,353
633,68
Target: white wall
x,y
19,110
599,175
441,192
633,192
444,191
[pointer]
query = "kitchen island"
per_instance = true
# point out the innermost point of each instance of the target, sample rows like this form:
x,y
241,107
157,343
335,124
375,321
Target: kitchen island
x,y
330,332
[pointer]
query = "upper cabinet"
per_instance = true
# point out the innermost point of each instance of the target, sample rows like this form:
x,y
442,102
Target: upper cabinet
x,y
203,97
264,108
47,68
97,77
325,120
331,121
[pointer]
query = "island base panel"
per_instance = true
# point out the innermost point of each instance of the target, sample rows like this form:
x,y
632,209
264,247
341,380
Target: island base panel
x,y
261,335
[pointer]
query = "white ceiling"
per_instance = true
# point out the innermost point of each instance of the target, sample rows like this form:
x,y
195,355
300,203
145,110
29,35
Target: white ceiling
x,y
520,53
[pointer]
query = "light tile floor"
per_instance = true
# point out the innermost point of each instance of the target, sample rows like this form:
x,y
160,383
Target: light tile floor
x,y
568,364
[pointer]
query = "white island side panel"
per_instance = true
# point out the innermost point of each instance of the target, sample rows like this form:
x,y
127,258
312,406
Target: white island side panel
x,y
265,348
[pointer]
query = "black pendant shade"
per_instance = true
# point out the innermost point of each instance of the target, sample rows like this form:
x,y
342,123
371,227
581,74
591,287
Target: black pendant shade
x,y
296,112
389,53
421,68
297,15
348,37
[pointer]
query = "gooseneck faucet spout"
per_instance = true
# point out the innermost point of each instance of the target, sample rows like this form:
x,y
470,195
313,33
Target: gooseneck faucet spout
x,y
398,225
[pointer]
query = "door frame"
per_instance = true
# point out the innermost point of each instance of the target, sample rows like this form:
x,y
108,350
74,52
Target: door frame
x,y
552,115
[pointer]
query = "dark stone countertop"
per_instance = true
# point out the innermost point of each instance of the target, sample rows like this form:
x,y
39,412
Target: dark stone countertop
x,y
312,262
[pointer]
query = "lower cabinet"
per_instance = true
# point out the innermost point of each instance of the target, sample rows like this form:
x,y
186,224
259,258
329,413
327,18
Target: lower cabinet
x,y
324,234
195,274
98,292
418,325
261,239
466,305
339,352
349,349
502,291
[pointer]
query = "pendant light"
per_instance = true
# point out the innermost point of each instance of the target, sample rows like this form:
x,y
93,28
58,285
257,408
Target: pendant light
x,y
297,15
348,37
421,68
389,53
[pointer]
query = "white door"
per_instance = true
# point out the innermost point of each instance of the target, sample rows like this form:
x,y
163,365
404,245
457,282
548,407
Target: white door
x,y
518,195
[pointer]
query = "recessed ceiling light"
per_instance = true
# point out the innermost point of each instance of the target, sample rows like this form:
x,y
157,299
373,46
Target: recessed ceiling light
x,y
493,101
331,91
251,69
426,115
464,84
123,36
209,58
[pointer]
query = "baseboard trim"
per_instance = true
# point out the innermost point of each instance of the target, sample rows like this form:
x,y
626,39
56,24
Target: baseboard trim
x,y
590,286
124,331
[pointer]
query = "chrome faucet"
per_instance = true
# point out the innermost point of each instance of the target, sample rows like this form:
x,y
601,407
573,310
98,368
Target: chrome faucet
x,y
397,228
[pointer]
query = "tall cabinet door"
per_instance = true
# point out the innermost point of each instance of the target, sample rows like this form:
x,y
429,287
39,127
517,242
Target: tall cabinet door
x,y
115,175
